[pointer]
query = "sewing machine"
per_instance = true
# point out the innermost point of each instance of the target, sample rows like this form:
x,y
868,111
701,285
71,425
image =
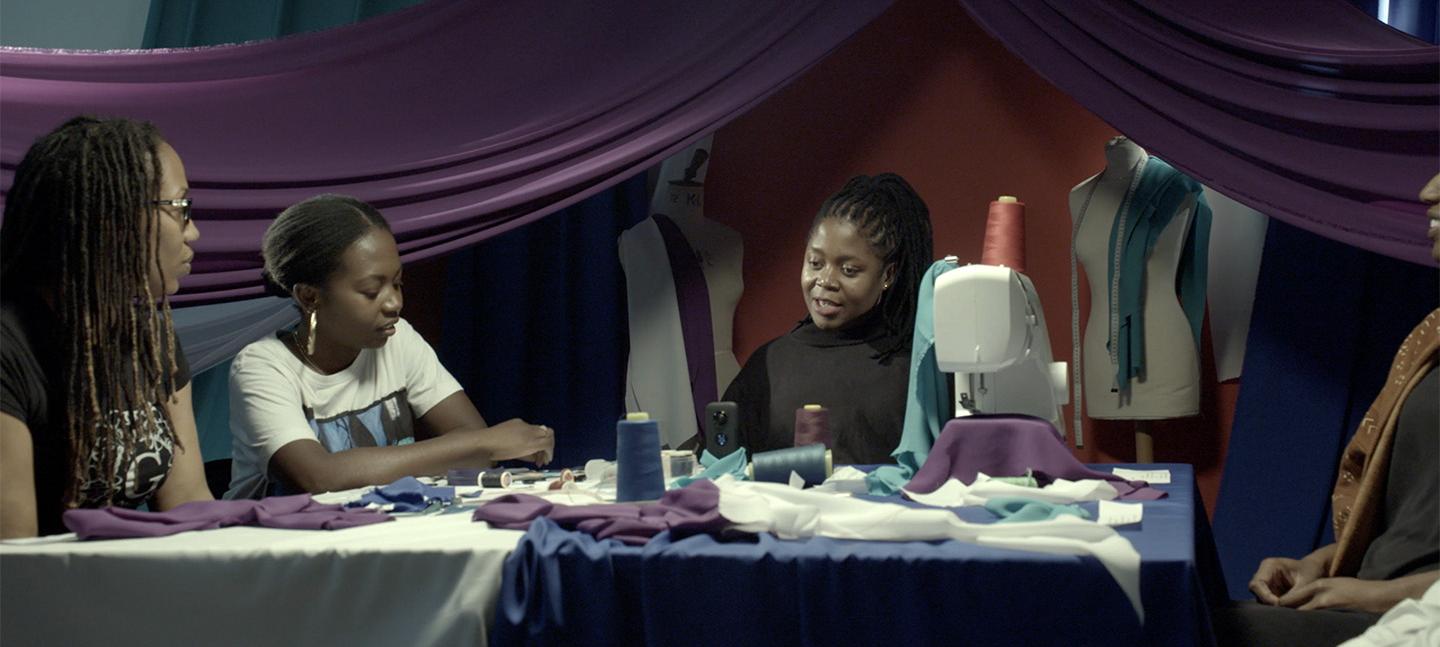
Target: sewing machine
x,y
990,332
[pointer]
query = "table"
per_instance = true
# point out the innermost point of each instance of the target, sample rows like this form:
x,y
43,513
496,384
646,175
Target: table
x,y
566,588
429,580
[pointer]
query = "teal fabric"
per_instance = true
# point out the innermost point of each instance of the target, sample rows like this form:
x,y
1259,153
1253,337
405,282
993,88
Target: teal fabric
x,y
193,23
714,468
927,405
210,396
1019,509
1161,191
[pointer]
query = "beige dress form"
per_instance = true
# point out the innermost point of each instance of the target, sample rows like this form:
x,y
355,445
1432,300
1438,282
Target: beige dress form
x,y
1170,385
657,375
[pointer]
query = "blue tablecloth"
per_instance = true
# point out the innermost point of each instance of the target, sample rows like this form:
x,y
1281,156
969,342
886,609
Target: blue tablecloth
x,y
566,588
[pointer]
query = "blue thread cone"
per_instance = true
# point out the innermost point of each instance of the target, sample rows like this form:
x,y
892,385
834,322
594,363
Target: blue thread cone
x,y
775,466
639,476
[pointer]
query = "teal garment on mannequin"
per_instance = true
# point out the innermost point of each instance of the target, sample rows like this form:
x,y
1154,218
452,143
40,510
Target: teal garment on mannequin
x,y
1161,191
927,403
1019,509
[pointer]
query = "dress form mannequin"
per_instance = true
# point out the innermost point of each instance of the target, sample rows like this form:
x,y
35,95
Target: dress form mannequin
x,y
658,380
1170,384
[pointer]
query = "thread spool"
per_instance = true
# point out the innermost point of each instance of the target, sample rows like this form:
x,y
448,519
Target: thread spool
x,y
639,475
496,479
566,476
812,425
1005,234
813,463
462,476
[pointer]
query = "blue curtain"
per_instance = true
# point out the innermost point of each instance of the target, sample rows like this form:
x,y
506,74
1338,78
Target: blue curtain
x,y
1328,320
535,325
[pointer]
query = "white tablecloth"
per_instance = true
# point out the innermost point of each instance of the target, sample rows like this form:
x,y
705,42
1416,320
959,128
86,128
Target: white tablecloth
x,y
431,580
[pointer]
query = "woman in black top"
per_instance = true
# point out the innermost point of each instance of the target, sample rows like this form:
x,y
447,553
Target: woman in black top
x,y
868,248
94,390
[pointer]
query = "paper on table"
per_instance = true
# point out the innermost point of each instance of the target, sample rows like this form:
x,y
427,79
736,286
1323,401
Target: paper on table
x,y
1153,477
1113,513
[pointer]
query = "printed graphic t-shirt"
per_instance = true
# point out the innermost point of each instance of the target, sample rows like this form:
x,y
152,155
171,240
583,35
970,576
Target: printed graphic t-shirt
x,y
32,390
275,400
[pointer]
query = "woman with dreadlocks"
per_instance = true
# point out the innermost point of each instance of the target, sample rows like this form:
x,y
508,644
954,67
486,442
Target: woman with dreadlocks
x,y
867,250
94,390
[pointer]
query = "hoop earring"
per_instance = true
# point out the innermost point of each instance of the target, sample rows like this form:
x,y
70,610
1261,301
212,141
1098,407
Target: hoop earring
x,y
310,340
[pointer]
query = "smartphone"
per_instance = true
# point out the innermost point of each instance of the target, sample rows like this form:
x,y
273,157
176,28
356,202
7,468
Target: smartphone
x,y
722,423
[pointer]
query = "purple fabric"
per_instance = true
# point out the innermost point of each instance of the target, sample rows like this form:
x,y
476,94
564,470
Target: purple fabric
x,y
693,509
1320,116
1010,445
692,297
297,512
460,120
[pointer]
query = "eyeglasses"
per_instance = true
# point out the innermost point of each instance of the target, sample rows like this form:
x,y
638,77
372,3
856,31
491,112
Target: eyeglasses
x,y
182,203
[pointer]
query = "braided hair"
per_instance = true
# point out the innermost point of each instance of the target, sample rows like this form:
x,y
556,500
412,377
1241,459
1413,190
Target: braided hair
x,y
80,226
896,223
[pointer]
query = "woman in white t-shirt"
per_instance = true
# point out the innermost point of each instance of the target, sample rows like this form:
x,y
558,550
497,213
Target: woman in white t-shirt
x,y
352,395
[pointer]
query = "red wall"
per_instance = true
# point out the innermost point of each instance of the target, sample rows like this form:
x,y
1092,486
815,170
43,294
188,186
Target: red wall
x,y
925,92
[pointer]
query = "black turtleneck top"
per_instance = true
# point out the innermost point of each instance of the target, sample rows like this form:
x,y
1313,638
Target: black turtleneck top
x,y
839,369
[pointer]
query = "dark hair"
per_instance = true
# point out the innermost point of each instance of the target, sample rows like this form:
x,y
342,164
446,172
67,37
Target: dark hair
x,y
306,241
896,223
79,226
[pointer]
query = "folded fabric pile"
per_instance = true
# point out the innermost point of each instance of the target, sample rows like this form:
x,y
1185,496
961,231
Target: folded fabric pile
x,y
1009,445
690,510
730,505
406,494
296,512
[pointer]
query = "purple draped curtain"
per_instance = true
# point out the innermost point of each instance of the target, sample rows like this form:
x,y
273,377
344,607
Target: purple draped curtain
x,y
461,120
1317,115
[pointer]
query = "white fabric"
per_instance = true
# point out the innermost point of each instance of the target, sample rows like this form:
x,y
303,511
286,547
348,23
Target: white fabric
x,y
275,399
790,513
1412,623
1237,238
953,493
431,580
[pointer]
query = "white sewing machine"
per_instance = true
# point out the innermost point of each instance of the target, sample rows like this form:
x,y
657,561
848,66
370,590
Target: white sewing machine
x,y
990,332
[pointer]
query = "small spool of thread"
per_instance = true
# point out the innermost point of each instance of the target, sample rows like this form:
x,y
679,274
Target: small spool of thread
x,y
1005,234
495,479
639,476
812,425
813,463
462,476
566,476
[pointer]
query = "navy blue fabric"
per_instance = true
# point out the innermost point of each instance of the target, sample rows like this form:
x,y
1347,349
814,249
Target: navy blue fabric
x,y
566,588
1328,319
534,325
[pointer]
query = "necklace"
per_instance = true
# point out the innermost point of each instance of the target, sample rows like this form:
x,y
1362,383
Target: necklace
x,y
1075,378
300,350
